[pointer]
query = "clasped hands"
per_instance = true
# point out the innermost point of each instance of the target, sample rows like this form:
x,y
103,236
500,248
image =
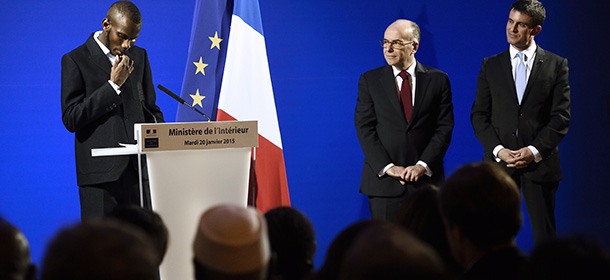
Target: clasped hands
x,y
122,68
517,159
406,174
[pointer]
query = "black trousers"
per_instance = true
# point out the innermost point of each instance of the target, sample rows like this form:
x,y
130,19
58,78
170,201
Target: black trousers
x,y
99,199
386,208
539,200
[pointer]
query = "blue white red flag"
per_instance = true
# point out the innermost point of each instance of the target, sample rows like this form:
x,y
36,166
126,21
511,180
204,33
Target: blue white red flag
x,y
245,91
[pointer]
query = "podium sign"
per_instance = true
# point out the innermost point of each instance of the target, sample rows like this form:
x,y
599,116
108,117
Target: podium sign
x,y
197,135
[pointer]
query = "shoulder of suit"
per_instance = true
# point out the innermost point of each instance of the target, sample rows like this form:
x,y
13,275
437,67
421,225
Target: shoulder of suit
x,y
378,70
137,49
80,51
498,56
429,70
549,55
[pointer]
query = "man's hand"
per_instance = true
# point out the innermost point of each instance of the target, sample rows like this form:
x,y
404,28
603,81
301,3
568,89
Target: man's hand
x,y
413,172
522,158
507,155
122,68
397,172
517,159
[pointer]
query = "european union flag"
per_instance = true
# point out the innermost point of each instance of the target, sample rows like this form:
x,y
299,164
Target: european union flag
x,y
206,59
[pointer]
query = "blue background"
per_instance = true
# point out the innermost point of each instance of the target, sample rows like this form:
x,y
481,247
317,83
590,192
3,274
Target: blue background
x,y
317,49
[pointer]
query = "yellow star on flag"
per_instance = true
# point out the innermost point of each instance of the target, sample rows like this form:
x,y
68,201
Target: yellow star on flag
x,y
200,66
215,41
197,99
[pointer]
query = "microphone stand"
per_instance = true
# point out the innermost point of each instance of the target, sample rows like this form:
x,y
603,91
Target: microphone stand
x,y
179,99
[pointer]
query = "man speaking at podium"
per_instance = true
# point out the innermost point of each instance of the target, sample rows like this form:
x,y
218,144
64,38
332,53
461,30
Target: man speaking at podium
x,y
106,87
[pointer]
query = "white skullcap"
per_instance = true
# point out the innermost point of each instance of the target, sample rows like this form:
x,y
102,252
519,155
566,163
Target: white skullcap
x,y
232,239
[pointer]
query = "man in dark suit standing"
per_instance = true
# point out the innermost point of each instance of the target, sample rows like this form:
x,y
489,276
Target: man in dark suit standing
x,y
522,111
404,121
106,87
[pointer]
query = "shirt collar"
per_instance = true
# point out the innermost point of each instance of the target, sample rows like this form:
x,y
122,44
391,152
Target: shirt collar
x,y
529,52
105,49
410,70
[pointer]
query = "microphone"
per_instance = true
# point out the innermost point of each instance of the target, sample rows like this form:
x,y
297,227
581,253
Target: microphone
x,y
141,93
179,99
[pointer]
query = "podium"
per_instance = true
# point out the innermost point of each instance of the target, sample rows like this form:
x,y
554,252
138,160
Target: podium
x,y
191,167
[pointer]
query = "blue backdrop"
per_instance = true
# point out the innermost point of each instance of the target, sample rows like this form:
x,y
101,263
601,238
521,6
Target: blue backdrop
x,y
317,50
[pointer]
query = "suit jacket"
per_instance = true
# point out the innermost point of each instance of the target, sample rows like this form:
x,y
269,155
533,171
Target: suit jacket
x,y
97,115
541,120
386,137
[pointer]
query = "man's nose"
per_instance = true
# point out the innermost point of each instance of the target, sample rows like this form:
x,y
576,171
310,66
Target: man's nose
x,y
126,44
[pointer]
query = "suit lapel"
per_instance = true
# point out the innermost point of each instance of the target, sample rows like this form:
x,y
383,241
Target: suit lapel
x,y
507,72
390,90
421,85
540,54
97,56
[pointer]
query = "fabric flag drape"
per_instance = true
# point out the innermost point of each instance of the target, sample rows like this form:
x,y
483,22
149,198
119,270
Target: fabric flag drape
x,y
245,90
206,59
247,94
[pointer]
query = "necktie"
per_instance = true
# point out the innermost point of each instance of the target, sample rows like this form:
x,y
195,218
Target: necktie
x,y
405,94
520,77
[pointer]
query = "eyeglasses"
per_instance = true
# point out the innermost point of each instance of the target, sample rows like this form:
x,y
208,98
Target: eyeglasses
x,y
396,44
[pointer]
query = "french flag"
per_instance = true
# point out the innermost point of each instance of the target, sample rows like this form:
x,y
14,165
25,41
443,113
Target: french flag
x,y
243,90
247,94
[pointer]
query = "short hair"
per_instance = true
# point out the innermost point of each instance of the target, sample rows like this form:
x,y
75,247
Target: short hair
x,y
339,246
100,250
420,214
126,8
532,8
416,32
15,261
575,257
146,220
483,202
388,251
292,238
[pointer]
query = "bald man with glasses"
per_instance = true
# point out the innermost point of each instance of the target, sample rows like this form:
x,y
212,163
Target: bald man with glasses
x,y
404,122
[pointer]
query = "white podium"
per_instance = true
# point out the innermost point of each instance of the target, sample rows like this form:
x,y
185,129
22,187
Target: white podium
x,y
191,167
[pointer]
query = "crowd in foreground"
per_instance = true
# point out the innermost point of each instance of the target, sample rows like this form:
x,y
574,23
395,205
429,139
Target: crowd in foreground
x,y
464,229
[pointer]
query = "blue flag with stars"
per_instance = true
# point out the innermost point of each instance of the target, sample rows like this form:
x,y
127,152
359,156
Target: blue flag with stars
x,y
206,59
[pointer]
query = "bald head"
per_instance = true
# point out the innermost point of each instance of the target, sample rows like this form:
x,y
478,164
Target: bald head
x,y
401,41
407,28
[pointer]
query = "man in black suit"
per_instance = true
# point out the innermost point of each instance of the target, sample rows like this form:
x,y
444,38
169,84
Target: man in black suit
x,y
522,111
106,87
404,121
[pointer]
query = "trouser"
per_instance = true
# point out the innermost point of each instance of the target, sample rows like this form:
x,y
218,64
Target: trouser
x,y
539,200
386,208
98,199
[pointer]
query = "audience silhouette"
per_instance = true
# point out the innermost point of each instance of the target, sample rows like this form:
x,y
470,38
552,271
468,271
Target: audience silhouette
x,y
292,239
15,261
480,205
100,250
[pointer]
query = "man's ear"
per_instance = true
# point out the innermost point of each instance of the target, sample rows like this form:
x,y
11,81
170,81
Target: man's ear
x,y
106,24
536,30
